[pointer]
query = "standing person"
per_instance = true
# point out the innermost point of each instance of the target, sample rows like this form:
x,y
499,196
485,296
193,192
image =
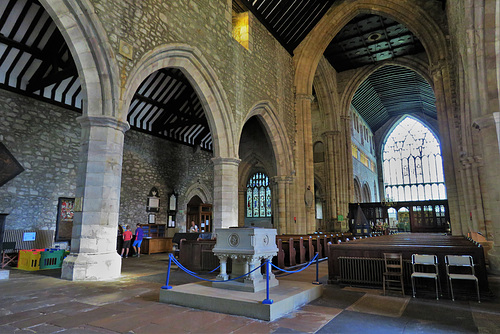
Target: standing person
x,y
194,227
127,238
139,234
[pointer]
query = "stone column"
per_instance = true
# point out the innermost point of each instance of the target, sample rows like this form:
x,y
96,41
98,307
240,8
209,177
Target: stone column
x,y
225,192
93,245
346,171
280,184
448,136
332,173
490,185
223,276
306,221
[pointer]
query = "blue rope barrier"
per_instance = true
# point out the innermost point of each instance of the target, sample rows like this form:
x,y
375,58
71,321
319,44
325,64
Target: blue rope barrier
x,y
299,270
214,269
189,272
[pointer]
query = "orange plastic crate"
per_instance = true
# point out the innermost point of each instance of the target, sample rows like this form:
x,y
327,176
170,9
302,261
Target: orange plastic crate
x,y
29,259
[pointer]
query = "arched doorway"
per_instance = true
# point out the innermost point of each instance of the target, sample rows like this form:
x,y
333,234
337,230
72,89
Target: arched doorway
x,y
200,213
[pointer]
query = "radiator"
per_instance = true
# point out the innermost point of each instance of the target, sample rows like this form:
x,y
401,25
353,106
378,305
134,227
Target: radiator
x,y
365,270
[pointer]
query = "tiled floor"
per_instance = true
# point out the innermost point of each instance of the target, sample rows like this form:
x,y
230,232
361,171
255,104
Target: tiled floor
x,y
40,302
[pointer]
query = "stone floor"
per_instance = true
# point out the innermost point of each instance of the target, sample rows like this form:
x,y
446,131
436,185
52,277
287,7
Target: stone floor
x,y
40,302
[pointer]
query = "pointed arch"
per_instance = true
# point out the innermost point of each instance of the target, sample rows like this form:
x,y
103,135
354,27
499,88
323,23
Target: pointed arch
x,y
95,61
412,162
200,190
280,144
205,82
420,22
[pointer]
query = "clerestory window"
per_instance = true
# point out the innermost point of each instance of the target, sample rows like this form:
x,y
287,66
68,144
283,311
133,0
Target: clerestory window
x,y
412,163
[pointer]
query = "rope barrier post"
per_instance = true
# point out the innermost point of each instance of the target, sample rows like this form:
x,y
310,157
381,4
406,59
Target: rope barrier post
x,y
166,286
317,282
267,300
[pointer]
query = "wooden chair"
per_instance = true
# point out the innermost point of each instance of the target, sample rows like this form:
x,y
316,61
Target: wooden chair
x,y
8,258
425,261
393,272
463,261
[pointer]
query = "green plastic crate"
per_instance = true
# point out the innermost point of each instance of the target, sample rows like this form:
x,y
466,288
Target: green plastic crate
x,y
51,259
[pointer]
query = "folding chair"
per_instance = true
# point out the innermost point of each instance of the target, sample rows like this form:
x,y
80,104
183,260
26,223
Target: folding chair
x,y
393,272
463,261
424,261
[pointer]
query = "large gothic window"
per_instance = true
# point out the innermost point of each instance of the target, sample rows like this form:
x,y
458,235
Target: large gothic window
x,y
413,167
258,196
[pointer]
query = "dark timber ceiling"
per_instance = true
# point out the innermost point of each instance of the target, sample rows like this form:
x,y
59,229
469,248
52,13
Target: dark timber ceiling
x,y
289,21
393,91
368,39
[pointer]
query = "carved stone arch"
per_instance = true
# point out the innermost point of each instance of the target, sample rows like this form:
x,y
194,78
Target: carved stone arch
x,y
366,193
250,164
93,55
198,189
278,137
357,197
205,82
416,18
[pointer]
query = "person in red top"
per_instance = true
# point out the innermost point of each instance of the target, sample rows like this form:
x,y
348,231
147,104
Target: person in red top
x,y
127,239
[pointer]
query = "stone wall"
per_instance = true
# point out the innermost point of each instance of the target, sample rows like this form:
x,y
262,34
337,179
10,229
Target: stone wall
x,y
45,140
265,72
170,167
363,138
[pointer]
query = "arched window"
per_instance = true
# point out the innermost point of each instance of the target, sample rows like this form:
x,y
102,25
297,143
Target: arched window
x,y
413,167
319,152
258,196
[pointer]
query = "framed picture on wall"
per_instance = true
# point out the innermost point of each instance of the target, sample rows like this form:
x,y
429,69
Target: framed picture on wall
x,y
171,221
151,218
65,216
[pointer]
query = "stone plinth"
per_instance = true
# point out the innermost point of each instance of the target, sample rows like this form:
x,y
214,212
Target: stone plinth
x,y
247,248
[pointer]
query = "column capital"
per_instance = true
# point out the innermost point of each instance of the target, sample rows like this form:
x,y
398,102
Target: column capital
x,y
301,96
103,121
485,121
329,134
438,67
226,161
281,179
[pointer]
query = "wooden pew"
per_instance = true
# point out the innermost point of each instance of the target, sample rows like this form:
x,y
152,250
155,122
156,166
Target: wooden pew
x,y
279,259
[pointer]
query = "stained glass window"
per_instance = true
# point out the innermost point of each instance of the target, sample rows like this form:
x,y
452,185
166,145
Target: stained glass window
x,y
258,196
412,163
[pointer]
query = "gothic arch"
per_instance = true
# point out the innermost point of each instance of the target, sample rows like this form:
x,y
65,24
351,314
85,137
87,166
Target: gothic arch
x,y
92,53
357,191
420,22
280,144
205,82
366,193
200,190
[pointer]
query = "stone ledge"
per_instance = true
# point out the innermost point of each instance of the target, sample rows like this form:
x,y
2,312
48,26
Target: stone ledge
x,y
288,296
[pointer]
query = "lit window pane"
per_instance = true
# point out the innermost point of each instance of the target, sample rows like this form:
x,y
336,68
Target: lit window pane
x,y
412,157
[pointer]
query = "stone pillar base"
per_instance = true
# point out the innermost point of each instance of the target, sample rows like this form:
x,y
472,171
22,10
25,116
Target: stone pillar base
x,y
91,267
494,259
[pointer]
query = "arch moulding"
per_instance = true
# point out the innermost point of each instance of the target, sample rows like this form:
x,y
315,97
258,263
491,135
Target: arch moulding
x,y
280,144
309,52
94,58
205,82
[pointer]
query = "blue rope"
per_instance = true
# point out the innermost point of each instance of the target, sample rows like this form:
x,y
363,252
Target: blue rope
x,y
189,272
296,271
214,269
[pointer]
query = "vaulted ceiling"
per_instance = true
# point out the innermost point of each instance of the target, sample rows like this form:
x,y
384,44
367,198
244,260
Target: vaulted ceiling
x,y
35,61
